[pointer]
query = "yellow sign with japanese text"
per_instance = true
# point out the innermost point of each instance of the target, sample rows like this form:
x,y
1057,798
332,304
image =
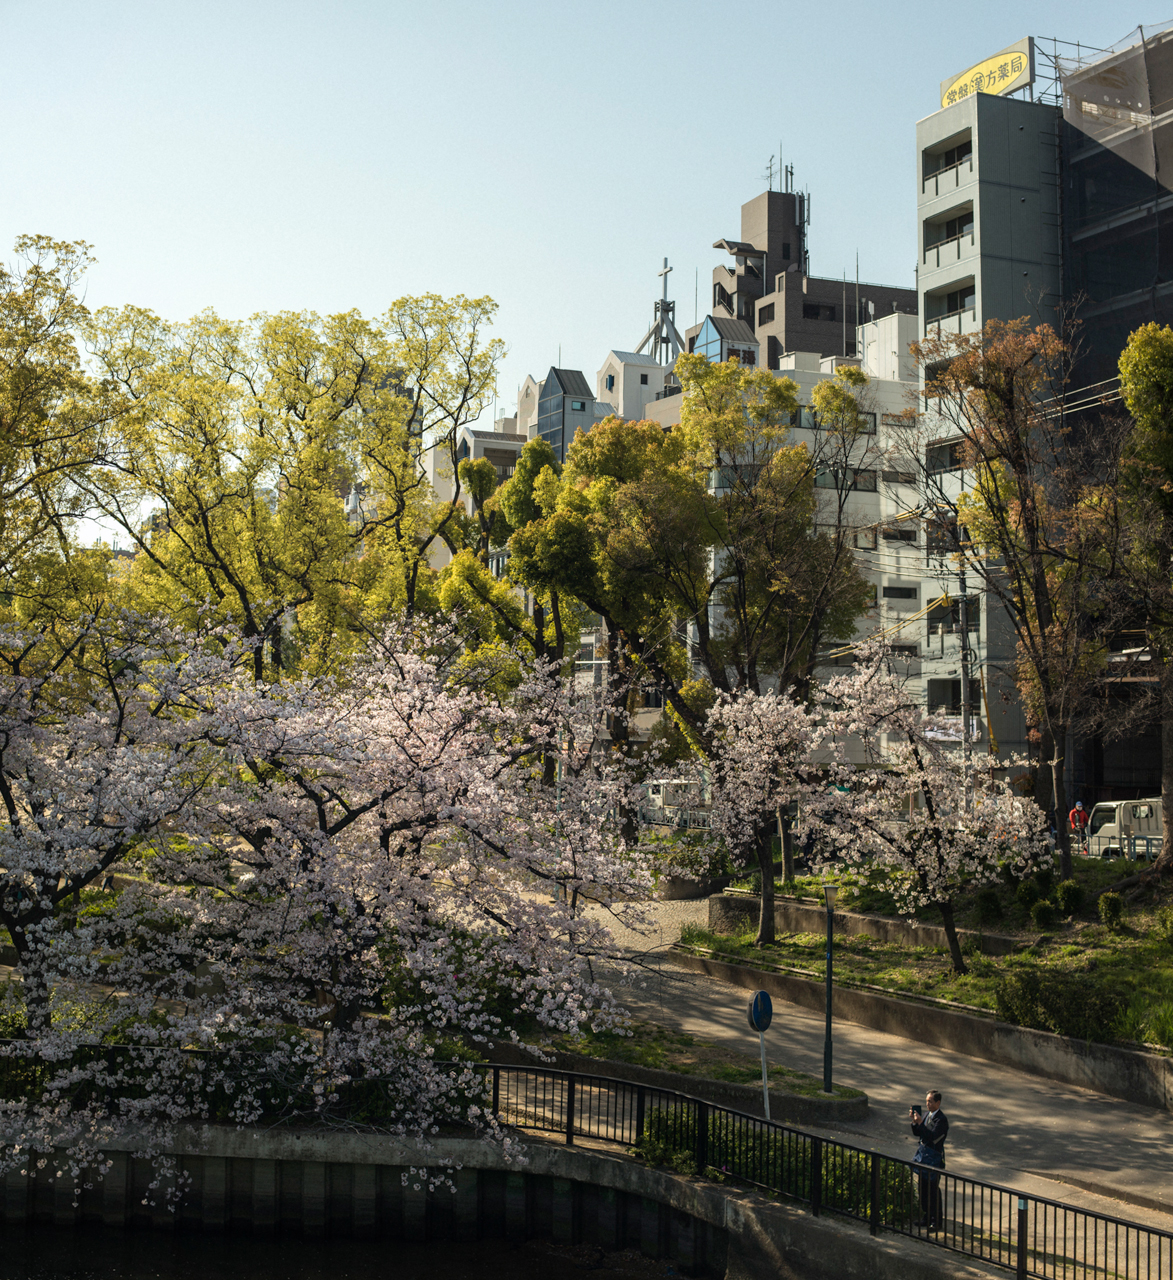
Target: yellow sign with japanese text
x,y
1013,68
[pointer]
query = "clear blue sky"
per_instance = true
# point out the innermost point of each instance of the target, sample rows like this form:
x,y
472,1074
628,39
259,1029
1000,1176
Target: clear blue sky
x,y
262,156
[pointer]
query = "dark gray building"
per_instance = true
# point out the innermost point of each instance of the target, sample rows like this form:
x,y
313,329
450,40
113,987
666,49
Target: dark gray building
x,y
565,404
769,289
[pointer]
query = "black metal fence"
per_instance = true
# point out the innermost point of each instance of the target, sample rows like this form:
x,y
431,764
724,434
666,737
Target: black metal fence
x,y
1028,1235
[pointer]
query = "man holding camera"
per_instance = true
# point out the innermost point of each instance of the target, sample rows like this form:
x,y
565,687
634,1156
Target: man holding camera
x,y
931,1130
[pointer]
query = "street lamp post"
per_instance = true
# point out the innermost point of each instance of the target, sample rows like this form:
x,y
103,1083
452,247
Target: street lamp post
x,y
829,892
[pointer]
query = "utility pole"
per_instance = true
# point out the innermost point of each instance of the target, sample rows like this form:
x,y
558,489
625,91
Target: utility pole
x,y
966,744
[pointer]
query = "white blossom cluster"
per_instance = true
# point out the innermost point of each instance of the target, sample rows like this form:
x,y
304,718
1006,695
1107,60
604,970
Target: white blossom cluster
x,y
877,781
233,901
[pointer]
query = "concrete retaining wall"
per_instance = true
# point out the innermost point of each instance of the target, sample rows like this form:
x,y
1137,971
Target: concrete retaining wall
x,y
1142,1078
353,1185
728,913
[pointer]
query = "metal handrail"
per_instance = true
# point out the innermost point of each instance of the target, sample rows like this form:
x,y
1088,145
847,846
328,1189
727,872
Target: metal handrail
x,y
1033,1236
1029,1235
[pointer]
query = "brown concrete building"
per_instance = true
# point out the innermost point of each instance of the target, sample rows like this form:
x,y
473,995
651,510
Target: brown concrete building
x,y
769,289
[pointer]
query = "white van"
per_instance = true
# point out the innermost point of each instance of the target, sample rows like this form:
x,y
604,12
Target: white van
x,y
1126,829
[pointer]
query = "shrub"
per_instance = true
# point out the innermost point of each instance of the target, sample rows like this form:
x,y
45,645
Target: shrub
x,y
1065,1003
1027,894
989,906
1045,879
1043,914
1069,897
1111,910
1164,925
1160,1024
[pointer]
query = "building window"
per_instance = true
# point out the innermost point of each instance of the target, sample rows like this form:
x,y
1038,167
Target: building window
x,y
900,593
899,535
904,652
578,406
944,697
817,311
941,539
948,455
766,314
786,250
898,477
865,540
610,382
960,300
643,379
834,478
945,619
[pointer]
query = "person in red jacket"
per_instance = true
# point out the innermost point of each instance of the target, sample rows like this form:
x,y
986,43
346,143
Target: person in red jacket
x,y
1077,819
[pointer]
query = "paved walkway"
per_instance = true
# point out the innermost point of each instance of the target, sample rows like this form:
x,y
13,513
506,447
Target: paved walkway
x,y
1005,1126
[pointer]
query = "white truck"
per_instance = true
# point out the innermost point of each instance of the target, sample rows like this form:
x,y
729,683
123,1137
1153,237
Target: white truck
x,y
1125,829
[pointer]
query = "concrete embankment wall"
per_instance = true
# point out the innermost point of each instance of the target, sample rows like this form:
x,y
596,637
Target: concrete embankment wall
x,y
1142,1078
729,912
357,1185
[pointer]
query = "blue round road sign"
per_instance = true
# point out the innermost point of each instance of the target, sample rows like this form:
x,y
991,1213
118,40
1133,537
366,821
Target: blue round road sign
x,y
761,1011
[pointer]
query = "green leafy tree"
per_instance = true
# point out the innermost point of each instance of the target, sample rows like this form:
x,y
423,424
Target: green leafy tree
x,y
271,471
1146,481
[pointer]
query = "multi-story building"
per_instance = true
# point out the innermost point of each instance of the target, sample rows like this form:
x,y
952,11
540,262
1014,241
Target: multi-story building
x,y
988,214
1052,208
770,290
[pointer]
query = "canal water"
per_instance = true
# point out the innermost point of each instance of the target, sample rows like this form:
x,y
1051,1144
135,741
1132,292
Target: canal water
x,y
45,1254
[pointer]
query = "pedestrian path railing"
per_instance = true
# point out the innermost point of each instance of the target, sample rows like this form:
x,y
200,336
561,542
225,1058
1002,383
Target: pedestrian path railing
x,y
1025,1234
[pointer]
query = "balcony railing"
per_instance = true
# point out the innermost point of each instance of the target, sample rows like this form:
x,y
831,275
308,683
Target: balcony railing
x,y
951,321
947,251
948,179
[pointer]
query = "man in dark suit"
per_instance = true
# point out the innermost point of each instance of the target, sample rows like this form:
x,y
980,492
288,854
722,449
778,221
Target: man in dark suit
x,y
931,1130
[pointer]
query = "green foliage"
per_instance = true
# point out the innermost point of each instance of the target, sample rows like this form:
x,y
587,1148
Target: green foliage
x,y
1164,925
1111,910
767,1158
1069,897
988,905
1044,915
694,854
1027,894
1065,1003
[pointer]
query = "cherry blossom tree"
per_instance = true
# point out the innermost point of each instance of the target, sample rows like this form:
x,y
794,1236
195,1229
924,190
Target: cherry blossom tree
x,y
230,900
764,752
907,802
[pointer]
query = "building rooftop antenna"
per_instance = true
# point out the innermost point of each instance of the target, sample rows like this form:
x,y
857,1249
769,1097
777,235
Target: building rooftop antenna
x,y
663,337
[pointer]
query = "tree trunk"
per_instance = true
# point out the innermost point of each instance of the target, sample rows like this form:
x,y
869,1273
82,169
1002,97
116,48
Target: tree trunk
x,y
1058,766
767,928
951,934
1164,863
786,836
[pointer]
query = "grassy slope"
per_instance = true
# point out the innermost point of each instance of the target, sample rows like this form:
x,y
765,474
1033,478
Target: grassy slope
x,y
1133,964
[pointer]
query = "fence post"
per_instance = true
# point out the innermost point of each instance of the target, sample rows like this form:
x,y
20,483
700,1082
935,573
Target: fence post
x,y
570,1111
1020,1268
702,1137
639,1114
816,1175
496,1091
874,1206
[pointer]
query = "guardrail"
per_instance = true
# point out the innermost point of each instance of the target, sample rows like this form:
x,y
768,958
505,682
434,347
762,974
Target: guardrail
x,y
1025,1234
1029,1235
